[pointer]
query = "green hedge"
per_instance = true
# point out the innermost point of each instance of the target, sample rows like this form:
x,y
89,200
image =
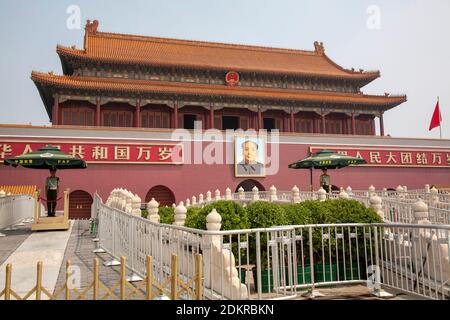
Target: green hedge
x,y
166,215
262,214
234,216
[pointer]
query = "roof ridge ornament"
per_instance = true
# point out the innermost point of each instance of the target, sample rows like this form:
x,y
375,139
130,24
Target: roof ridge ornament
x,y
91,27
319,48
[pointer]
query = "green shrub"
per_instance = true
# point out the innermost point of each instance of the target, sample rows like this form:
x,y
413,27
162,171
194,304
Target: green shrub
x,y
297,214
349,211
192,218
166,215
234,216
266,214
144,213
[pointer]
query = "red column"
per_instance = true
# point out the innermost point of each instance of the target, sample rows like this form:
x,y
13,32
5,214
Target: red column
x,y
381,124
211,117
323,123
353,124
175,115
292,121
137,120
97,119
55,111
260,124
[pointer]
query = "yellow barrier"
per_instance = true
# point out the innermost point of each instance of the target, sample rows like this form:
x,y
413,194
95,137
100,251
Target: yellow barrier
x,y
144,289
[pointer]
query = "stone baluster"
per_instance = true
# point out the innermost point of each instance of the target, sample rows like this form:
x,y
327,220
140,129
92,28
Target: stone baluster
x,y
427,188
385,192
180,214
343,194
273,194
228,195
200,198
321,194
217,195
208,196
420,211
241,194
434,197
188,203
152,208
371,190
125,205
375,204
295,194
2,193
349,190
136,206
194,201
399,191
213,221
255,194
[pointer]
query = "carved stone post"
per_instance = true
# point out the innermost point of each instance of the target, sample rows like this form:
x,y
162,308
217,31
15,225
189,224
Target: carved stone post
x,y
255,194
193,201
375,204
208,196
343,194
273,194
321,194
152,208
241,194
136,206
295,194
228,194
434,198
217,195
420,211
400,194
180,214
213,221
200,198
371,190
349,190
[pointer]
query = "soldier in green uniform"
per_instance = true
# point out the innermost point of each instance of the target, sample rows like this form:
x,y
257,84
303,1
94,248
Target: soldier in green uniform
x,y
325,181
51,190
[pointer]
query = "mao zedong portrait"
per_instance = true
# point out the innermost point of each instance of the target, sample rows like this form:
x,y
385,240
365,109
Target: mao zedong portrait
x,y
250,165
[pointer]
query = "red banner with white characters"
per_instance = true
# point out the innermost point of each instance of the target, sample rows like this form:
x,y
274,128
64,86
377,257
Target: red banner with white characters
x,y
103,152
396,157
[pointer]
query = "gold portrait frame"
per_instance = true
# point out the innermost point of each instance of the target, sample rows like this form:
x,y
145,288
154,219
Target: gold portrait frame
x,y
261,142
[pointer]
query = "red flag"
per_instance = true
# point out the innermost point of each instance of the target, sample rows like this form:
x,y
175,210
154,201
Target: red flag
x,y
436,119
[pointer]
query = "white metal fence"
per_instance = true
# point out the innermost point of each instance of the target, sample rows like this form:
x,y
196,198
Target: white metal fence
x,y
275,263
14,209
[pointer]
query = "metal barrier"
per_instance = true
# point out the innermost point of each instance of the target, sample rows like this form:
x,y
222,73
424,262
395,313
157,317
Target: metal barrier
x,y
15,209
283,261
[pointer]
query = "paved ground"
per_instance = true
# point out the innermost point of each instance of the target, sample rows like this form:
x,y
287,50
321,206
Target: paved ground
x,y
79,252
12,240
22,248
45,246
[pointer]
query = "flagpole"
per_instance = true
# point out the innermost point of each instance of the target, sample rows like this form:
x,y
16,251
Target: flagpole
x,y
440,121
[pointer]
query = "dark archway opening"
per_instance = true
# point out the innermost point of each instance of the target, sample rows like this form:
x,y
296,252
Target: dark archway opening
x,y
248,185
163,195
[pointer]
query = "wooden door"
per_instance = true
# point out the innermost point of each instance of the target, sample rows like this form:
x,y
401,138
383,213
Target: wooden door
x,y
80,203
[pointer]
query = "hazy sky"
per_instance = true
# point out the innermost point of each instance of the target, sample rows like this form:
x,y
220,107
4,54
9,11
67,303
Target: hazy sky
x,y
410,45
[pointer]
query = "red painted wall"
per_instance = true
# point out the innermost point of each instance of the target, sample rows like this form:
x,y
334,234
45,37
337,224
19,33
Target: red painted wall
x,y
192,179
